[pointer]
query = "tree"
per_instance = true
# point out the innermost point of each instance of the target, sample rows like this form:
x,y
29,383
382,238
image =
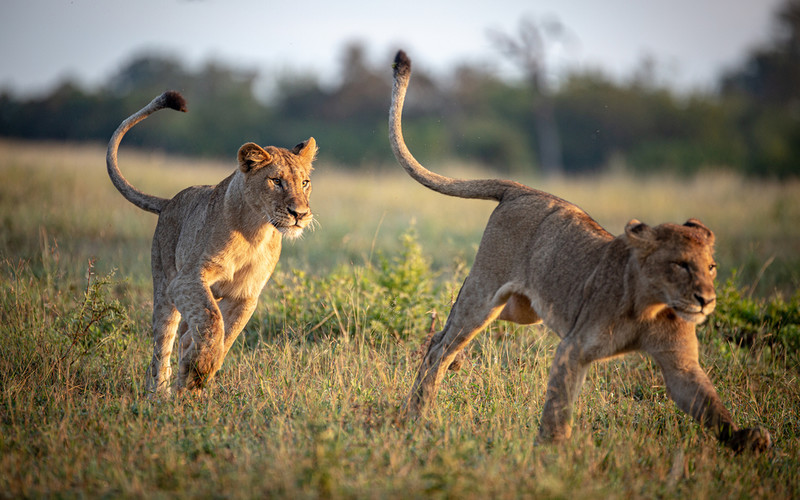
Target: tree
x,y
768,86
771,74
528,50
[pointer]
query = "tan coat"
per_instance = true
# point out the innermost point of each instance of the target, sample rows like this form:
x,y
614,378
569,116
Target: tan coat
x,y
214,249
542,259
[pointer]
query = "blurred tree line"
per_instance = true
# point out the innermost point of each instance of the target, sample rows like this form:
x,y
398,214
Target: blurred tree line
x,y
751,123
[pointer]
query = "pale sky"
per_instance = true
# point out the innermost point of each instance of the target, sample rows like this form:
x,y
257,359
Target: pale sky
x,y
42,41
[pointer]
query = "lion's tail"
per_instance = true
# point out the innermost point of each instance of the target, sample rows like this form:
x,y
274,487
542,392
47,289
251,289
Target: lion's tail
x,y
487,189
170,99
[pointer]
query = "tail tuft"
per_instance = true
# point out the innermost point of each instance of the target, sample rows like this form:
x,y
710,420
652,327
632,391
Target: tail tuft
x,y
402,64
174,100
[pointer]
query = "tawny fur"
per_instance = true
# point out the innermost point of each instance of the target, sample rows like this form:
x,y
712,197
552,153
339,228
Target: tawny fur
x,y
214,249
543,259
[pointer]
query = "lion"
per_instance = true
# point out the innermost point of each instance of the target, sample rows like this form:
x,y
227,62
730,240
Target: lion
x,y
214,249
544,260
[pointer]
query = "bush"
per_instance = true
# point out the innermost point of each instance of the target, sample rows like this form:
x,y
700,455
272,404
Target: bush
x,y
55,341
390,300
748,322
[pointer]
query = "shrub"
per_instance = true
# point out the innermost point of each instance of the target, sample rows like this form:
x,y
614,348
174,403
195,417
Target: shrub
x,y
749,321
54,341
390,300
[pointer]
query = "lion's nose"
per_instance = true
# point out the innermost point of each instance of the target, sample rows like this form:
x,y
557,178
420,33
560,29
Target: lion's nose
x,y
704,300
297,214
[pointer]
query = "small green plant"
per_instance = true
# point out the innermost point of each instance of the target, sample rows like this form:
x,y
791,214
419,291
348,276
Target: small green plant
x,y
405,286
98,322
751,322
53,342
390,300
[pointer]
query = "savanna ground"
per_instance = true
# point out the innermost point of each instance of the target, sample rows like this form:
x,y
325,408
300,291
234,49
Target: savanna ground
x,y
306,403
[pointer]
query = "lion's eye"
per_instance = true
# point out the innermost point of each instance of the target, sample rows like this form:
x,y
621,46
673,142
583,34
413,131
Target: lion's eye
x,y
276,182
712,268
681,266
306,183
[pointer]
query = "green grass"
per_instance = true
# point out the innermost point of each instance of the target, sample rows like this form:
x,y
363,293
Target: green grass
x,y
306,403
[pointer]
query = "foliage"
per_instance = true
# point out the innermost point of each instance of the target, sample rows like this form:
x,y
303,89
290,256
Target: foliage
x,y
315,414
750,322
768,88
94,326
306,411
390,301
73,345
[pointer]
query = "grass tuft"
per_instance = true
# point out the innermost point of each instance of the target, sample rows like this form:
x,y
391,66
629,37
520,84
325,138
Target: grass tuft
x,y
307,403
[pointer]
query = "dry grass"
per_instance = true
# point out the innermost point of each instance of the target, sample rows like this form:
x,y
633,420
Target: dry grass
x,y
361,213
308,414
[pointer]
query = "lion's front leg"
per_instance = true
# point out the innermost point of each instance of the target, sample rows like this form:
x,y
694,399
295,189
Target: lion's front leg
x,y
566,378
236,313
203,344
690,388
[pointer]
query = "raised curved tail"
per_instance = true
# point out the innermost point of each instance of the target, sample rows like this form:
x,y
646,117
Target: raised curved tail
x,y
486,189
170,99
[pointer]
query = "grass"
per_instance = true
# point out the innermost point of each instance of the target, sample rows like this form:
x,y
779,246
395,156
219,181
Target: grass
x,y
306,403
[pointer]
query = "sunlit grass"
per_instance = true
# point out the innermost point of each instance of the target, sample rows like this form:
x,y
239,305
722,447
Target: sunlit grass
x,y
306,404
62,193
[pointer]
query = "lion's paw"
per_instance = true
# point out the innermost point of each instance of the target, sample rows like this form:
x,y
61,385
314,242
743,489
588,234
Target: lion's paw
x,y
755,439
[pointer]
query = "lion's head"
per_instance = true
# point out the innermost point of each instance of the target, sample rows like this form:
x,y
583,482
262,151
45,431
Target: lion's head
x,y
677,266
277,184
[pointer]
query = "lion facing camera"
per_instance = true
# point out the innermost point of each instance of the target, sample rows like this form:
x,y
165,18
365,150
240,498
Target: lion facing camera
x,y
543,259
214,249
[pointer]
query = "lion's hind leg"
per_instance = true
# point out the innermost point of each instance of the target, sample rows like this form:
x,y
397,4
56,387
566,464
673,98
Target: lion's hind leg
x,y
473,311
165,326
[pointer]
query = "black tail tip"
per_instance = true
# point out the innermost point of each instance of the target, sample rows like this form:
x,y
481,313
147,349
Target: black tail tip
x,y
402,64
174,100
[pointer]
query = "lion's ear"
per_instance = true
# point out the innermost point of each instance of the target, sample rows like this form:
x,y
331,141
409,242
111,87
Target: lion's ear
x,y
706,232
251,155
640,235
306,150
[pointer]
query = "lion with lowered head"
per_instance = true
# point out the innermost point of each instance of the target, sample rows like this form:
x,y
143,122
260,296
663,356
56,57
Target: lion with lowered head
x,y
543,259
214,249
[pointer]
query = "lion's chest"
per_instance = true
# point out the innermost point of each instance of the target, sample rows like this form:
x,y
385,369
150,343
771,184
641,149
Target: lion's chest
x,y
244,268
